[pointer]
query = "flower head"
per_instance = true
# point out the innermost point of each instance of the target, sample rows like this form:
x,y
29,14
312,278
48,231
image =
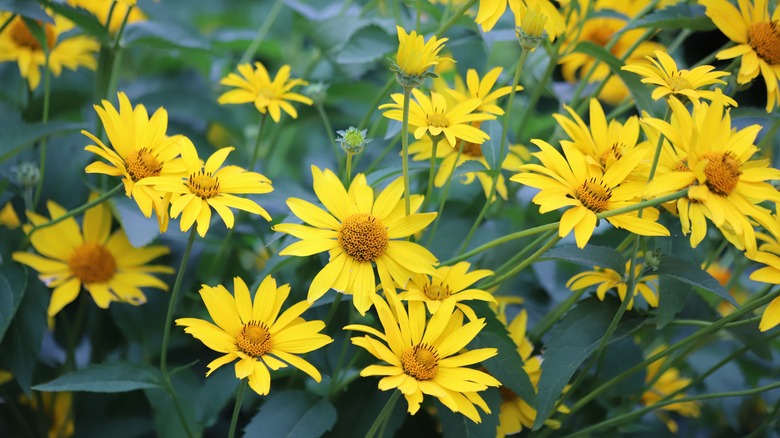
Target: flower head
x,y
607,279
665,384
118,9
415,56
255,333
105,263
483,90
353,140
768,255
269,96
359,231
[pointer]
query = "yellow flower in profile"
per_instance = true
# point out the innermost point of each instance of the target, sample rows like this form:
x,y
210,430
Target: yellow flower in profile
x,y
57,411
768,254
432,116
571,182
449,283
359,231
537,18
209,185
8,216
18,44
483,90
255,333
269,96
757,34
139,149
101,8
105,263
424,356
415,55
683,84
665,384
491,10
606,279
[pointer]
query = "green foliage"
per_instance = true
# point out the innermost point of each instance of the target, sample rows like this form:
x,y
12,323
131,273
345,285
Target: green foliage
x,y
108,377
292,413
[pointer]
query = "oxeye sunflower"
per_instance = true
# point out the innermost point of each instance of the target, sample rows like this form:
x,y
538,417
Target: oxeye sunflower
x,y
483,90
359,231
606,279
118,9
768,255
105,263
424,356
255,333
490,11
668,382
415,55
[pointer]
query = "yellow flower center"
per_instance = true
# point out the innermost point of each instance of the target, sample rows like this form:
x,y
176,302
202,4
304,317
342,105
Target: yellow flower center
x,y
203,184
23,37
682,166
677,83
420,362
438,120
594,195
141,164
92,263
437,292
613,153
363,237
254,339
267,93
472,150
722,172
765,40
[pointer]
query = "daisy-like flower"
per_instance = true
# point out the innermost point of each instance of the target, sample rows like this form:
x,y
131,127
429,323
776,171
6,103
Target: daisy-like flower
x,y
768,254
491,10
18,44
432,116
101,9
714,162
535,19
359,231
483,90
255,333
210,186
415,55
450,283
606,279
423,356
139,149
757,34
571,182
56,407
664,385
105,263
662,71
269,96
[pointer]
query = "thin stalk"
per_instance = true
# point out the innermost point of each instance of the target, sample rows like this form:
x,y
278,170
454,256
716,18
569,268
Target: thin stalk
x,y
371,108
432,172
116,49
701,323
711,57
524,264
522,253
348,170
44,119
237,407
446,192
418,6
261,32
329,132
7,22
381,156
172,304
681,37
256,147
405,149
537,91
450,21
99,200
385,414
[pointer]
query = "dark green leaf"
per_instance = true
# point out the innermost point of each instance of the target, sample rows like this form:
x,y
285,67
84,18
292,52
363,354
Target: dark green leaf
x,y
679,16
81,17
162,36
457,425
22,342
491,149
468,167
672,296
167,422
591,256
17,137
366,45
214,394
691,274
292,414
110,377
26,8
13,284
575,337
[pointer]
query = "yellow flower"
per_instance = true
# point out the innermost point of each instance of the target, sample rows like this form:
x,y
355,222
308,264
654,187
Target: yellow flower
x,y
422,355
663,72
8,216
432,116
139,149
208,186
101,9
758,37
712,159
664,385
483,90
255,333
607,279
57,410
105,263
534,18
269,96
415,55
359,231
18,44
768,254
491,10
571,182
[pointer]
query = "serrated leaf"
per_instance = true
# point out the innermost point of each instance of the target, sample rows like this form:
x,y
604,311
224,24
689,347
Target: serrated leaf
x,y
491,149
110,377
679,16
691,274
22,342
26,8
292,414
591,256
13,285
214,394
366,45
672,296
17,137
457,425
162,36
575,337
81,17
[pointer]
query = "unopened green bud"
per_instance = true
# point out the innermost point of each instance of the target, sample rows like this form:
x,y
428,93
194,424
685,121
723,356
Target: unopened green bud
x,y
353,140
317,91
26,174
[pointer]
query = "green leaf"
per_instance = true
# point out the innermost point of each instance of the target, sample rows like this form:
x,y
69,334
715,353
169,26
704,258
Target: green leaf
x,y
110,377
639,91
366,45
491,149
17,137
13,284
214,394
457,425
22,342
591,256
679,16
81,17
162,36
686,272
292,413
26,8
468,167
575,337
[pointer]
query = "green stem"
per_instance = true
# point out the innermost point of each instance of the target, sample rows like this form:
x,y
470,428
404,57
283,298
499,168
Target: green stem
x,y
711,57
348,171
116,49
329,132
237,407
99,200
459,13
381,156
701,323
552,317
524,264
522,253
374,105
384,414
7,22
431,172
172,304
261,32
681,37
405,149
445,192
44,119
537,91
256,148
418,6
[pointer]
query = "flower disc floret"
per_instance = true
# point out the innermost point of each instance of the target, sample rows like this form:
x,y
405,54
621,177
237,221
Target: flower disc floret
x,y
92,263
254,339
363,237
764,38
420,362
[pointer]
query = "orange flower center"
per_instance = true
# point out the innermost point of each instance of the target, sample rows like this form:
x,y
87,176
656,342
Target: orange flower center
x,y
141,164
472,150
363,237
677,83
682,166
254,339
722,172
420,362
203,184
437,292
594,195
23,37
438,120
764,38
92,263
